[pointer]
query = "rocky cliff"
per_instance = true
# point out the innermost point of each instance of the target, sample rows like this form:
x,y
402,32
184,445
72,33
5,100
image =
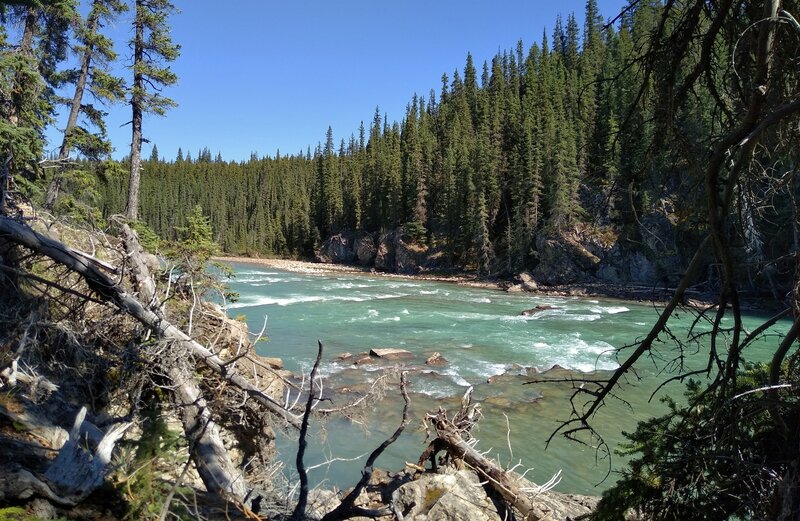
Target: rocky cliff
x,y
581,255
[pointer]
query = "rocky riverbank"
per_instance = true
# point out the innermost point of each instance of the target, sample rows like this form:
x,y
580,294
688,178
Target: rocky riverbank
x,y
519,283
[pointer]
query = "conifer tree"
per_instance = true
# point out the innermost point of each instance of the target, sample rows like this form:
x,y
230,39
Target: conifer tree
x,y
96,53
28,79
152,48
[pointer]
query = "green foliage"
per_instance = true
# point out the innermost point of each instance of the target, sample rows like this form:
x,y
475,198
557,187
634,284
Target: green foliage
x,y
481,168
415,230
196,244
722,455
149,240
20,514
142,465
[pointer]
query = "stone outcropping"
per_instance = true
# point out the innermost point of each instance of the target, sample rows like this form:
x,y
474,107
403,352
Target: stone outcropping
x,y
457,495
394,251
650,255
365,248
338,249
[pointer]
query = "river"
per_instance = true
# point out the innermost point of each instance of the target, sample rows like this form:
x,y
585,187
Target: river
x,y
481,334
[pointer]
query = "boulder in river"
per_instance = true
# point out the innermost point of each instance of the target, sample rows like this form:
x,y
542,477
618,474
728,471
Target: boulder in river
x,y
390,353
436,359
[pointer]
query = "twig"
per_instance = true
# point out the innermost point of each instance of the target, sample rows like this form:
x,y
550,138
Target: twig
x,y
302,500
347,508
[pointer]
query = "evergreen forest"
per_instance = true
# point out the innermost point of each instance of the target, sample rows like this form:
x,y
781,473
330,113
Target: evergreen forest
x,y
557,136
663,136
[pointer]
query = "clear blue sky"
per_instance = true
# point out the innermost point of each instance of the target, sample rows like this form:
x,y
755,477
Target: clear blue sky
x,y
263,75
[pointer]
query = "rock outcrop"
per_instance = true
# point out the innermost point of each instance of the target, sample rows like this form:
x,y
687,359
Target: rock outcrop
x,y
365,248
455,496
338,249
563,260
581,255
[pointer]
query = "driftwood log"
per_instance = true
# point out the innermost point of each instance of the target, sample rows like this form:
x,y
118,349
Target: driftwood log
x,y
452,437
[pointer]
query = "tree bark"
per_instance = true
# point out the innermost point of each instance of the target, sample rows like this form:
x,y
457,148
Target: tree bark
x,y
213,463
132,208
80,86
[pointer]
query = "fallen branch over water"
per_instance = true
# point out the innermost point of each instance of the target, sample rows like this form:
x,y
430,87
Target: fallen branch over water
x,y
450,440
109,291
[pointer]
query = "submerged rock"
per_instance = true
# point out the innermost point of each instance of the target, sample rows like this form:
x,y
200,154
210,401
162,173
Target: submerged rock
x,y
537,309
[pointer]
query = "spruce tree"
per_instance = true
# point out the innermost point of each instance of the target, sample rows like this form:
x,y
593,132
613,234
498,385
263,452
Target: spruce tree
x,y
152,49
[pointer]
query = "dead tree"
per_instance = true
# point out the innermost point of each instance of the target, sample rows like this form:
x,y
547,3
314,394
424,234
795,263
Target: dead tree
x,y
452,437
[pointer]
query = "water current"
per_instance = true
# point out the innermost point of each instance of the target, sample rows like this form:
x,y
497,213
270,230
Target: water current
x,y
481,333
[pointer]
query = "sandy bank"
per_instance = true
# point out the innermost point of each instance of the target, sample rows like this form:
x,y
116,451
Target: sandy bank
x,y
320,268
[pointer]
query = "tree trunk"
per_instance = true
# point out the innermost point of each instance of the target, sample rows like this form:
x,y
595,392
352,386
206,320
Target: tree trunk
x,y
132,208
213,463
74,111
80,86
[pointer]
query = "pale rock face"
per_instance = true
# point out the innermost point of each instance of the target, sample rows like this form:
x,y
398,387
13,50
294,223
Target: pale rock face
x,y
457,496
385,256
365,248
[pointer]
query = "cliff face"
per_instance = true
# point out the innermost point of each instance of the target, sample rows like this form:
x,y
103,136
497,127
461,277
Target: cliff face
x,y
582,255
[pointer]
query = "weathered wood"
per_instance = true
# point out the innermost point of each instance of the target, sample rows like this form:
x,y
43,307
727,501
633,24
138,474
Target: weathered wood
x,y
139,272
449,439
212,460
79,470
19,484
111,292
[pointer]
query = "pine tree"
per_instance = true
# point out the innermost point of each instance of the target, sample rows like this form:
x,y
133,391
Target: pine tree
x,y
28,79
152,47
96,54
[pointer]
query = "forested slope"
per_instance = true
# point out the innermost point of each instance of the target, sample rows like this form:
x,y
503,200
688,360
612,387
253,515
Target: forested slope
x,y
533,140
561,137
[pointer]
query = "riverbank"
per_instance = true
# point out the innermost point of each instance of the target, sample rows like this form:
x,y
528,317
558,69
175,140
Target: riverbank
x,y
628,292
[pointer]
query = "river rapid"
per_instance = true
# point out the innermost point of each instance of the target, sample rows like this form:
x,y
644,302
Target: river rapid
x,y
481,334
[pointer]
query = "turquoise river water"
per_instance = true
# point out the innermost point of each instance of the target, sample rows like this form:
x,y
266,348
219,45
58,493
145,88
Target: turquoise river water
x,y
481,334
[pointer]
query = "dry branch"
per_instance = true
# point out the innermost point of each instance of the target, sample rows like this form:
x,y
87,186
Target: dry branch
x,y
449,438
109,291
347,508
300,508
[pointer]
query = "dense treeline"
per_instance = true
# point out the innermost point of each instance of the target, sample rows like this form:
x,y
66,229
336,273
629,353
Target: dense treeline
x,y
538,139
262,205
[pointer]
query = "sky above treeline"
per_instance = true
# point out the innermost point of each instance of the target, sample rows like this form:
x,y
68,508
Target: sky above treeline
x,y
258,76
